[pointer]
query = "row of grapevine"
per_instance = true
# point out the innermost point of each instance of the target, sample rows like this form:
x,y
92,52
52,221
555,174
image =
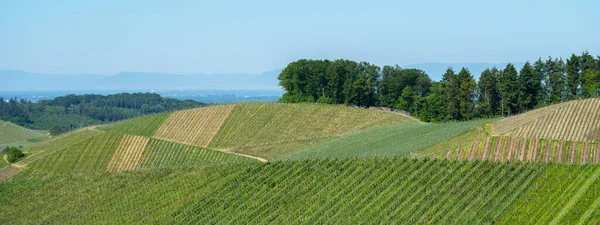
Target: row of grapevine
x,y
506,125
7,172
164,154
574,121
12,133
256,124
194,126
504,148
46,147
90,155
142,126
358,191
325,191
128,154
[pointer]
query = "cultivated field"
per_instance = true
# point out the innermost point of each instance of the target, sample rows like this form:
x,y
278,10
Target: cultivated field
x,y
164,154
194,126
392,140
128,154
327,191
256,124
143,126
15,135
511,148
89,155
570,121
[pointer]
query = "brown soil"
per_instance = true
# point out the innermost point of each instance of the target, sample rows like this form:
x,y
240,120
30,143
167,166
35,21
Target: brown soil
x,y
486,146
7,172
572,153
597,154
523,148
547,151
498,148
473,150
536,144
559,151
586,151
511,146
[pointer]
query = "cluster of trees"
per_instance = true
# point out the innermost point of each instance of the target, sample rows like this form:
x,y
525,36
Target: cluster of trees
x,y
70,112
13,154
499,91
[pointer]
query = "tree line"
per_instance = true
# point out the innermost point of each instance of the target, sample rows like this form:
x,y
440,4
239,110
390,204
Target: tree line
x,y
70,112
457,96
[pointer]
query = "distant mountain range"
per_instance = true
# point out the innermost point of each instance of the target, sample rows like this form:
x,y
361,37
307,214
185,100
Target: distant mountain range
x,y
21,80
436,70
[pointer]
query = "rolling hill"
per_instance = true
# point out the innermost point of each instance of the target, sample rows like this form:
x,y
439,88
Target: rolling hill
x,y
327,165
15,135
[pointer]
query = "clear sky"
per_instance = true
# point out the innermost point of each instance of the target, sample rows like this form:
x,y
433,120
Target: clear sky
x,y
106,37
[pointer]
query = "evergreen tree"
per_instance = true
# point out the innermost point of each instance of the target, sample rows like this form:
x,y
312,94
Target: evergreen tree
x,y
541,80
508,87
450,86
488,98
466,93
573,80
528,88
556,80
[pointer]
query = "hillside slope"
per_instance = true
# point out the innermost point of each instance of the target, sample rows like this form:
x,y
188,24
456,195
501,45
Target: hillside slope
x,y
327,191
570,121
15,135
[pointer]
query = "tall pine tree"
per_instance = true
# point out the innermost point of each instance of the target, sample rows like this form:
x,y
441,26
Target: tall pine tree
x,y
508,87
573,80
488,98
528,88
466,93
451,85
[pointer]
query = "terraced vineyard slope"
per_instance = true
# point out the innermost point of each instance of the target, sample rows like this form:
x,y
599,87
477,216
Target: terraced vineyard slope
x,y
505,148
326,191
258,124
571,121
15,135
194,126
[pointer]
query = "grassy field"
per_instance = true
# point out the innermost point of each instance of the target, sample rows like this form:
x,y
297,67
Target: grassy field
x,y
15,135
571,121
393,140
258,124
326,191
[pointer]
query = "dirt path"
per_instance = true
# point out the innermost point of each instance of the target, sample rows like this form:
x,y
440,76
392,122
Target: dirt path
x,y
473,150
547,151
511,146
243,155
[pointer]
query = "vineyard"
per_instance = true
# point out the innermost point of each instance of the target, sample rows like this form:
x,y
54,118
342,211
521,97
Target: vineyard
x,y
143,126
194,126
570,121
164,154
14,135
89,155
128,154
325,191
256,124
505,148
386,141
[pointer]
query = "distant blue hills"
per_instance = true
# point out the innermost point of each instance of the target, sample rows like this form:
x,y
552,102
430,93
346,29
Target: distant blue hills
x,y
21,80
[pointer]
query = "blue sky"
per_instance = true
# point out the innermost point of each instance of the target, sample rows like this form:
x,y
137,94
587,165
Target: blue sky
x,y
105,37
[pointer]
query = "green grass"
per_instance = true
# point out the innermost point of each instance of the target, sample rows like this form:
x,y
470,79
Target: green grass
x,y
164,154
258,124
142,126
393,140
15,135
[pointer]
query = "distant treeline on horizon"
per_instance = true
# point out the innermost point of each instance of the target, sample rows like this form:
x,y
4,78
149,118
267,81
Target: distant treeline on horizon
x,y
70,112
500,91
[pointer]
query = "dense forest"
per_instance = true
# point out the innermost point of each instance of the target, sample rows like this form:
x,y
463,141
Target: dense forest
x,y
499,91
70,112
